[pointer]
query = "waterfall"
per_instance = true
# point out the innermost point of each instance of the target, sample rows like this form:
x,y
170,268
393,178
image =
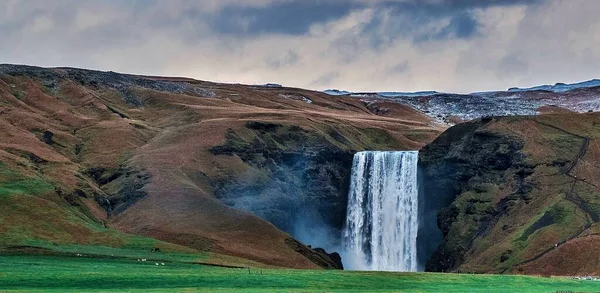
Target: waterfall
x,y
382,219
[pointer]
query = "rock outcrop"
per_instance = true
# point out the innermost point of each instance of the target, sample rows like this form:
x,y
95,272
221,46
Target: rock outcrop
x,y
299,179
508,192
318,255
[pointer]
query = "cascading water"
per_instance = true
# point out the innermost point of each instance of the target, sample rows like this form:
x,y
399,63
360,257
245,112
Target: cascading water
x,y
382,220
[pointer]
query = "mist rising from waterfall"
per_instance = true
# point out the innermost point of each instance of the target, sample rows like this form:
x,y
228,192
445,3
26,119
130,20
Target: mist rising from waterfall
x,y
382,217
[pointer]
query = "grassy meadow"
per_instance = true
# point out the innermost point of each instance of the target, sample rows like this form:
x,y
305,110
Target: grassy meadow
x,y
116,272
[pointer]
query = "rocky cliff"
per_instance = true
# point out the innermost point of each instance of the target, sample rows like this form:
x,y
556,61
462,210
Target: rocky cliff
x,y
513,194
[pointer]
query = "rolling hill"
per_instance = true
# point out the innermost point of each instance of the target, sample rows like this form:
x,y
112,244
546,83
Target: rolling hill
x,y
107,159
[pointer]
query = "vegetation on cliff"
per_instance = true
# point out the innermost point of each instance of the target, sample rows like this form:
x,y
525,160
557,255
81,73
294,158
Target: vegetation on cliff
x,y
516,194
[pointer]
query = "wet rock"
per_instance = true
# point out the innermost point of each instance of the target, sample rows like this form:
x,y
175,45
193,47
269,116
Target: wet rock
x,y
307,183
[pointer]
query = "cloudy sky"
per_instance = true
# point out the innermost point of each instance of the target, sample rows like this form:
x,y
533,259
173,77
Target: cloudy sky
x,y
359,45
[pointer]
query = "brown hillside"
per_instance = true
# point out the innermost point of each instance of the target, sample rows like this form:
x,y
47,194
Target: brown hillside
x,y
158,156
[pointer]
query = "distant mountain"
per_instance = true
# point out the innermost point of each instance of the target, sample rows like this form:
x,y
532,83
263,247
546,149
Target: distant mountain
x,y
452,108
557,88
336,92
560,87
409,94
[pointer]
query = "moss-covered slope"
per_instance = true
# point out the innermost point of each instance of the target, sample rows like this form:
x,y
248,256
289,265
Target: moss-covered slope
x,y
514,194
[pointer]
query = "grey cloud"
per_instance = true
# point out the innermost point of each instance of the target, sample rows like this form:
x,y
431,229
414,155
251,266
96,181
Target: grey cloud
x,y
453,4
409,17
401,67
358,45
287,59
348,47
293,17
325,79
463,25
512,63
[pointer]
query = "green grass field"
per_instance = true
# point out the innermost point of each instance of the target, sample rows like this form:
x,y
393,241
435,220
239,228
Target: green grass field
x,y
64,273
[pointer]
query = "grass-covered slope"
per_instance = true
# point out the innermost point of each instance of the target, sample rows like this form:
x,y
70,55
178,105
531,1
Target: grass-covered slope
x,y
94,158
33,220
516,194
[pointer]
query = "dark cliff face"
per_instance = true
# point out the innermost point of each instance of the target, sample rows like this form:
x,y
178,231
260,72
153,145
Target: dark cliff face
x,y
466,158
296,180
512,195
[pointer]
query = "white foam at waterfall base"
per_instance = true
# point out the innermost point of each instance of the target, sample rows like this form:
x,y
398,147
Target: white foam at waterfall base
x,y
382,219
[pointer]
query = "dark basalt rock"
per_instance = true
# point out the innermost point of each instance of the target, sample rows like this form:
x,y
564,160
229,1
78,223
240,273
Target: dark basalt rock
x,y
307,183
318,256
130,189
123,186
334,256
47,137
104,176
